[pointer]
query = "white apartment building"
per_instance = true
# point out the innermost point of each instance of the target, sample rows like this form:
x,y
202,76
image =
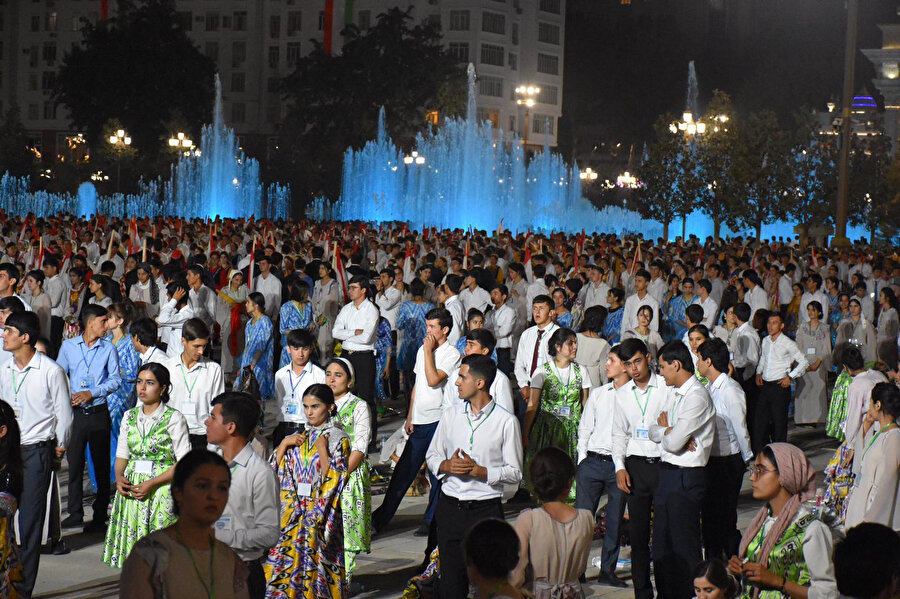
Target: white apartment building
x,y
257,42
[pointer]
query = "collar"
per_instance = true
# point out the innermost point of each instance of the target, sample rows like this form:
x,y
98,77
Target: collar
x,y
451,299
343,401
487,409
243,456
650,383
150,351
97,344
686,386
34,362
201,363
720,380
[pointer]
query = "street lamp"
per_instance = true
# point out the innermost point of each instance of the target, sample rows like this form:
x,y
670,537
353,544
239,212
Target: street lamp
x,y
525,97
413,158
588,175
120,141
627,181
181,143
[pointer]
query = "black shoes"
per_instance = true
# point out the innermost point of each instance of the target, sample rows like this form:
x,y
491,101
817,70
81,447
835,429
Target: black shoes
x,y
72,522
95,526
611,580
58,548
422,531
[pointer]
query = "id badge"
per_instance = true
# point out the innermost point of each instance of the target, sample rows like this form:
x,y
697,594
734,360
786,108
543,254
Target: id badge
x,y
563,411
17,411
290,409
642,434
810,351
143,467
189,409
731,356
87,382
223,523
304,489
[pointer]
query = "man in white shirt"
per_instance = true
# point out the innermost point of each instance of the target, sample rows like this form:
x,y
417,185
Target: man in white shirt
x,y
730,452
813,293
714,274
202,298
532,350
503,324
143,337
56,287
435,360
785,291
596,472
867,306
518,294
449,291
640,297
745,358
9,281
251,521
709,305
538,286
476,450
270,286
388,300
481,342
755,296
38,391
291,382
657,285
195,380
685,431
594,293
172,317
774,376
473,296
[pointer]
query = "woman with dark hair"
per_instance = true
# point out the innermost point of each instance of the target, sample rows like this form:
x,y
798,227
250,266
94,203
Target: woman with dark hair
x,y
308,560
558,391
296,313
642,331
11,485
145,292
259,351
555,538
411,329
230,315
593,349
563,316
612,326
491,550
39,300
326,303
814,340
152,438
786,550
121,315
855,330
185,559
840,312
875,496
792,316
574,300
712,581
669,307
888,326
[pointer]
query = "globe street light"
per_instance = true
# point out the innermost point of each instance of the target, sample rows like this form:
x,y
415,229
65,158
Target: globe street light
x,y
525,97
120,142
413,158
181,143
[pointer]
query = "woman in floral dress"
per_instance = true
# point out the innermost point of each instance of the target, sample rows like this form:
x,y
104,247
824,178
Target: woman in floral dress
x,y
296,313
411,325
259,351
120,318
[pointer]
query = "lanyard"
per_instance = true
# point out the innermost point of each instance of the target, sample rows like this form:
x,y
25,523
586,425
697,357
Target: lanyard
x,y
294,385
84,357
469,420
211,589
151,354
559,374
190,388
153,423
646,402
875,438
22,382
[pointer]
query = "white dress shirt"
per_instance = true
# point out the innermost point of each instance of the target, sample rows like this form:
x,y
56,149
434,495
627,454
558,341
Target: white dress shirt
x,y
350,319
251,522
426,405
290,388
270,287
710,307
154,354
595,295
492,438
503,322
194,389
785,290
170,322
389,302
479,298
177,429
500,391
203,303
691,416
776,358
455,306
636,410
757,299
718,287
632,305
535,289
40,398
525,352
731,418
596,426
56,288
657,288
362,422
745,350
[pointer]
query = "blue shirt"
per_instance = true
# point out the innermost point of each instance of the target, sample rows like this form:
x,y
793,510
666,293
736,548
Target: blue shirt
x,y
94,369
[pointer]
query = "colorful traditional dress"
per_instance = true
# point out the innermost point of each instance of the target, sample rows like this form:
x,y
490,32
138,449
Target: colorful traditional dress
x,y
308,560
230,316
292,316
383,348
122,398
411,322
676,308
259,340
835,317
11,575
612,326
153,444
356,497
565,320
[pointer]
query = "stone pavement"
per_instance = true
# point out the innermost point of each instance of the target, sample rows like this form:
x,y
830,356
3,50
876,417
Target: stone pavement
x,y
396,553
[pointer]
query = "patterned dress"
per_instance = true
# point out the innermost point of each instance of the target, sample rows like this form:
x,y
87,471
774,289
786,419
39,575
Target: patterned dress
x,y
411,322
124,397
291,317
612,326
565,320
675,312
308,560
11,574
133,519
356,498
383,349
259,339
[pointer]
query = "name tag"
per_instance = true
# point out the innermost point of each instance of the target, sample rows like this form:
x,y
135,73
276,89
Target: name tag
x,y
562,411
223,523
810,350
143,467
642,434
290,408
17,411
87,382
304,489
189,409
730,356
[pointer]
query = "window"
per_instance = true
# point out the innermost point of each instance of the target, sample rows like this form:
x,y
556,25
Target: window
x,y
239,20
274,56
33,56
484,114
551,6
459,20
542,124
512,123
321,20
490,86
226,21
294,22
548,63
515,34
238,53
549,95
50,53
459,51
238,112
513,62
36,24
275,26
492,22
491,54
32,82
548,33
33,114
212,21
293,53
273,113
185,20
49,110
48,78
50,21
365,19
237,82
273,85
212,51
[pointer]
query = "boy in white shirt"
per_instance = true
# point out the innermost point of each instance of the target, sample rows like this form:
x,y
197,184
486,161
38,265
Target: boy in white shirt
x,y
291,382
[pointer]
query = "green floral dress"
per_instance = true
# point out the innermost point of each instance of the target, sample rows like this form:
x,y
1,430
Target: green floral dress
x,y
133,519
356,498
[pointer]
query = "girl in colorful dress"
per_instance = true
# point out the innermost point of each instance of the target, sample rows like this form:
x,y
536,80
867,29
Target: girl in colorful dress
x,y
120,317
563,316
383,350
296,313
356,498
152,439
259,350
612,326
411,327
308,560
11,484
230,315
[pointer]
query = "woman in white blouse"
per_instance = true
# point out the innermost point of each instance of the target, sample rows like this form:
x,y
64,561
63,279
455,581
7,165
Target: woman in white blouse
x,y
39,301
145,292
326,304
888,326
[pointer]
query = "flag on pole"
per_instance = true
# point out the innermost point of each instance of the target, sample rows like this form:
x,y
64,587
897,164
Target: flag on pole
x,y
252,264
466,256
338,264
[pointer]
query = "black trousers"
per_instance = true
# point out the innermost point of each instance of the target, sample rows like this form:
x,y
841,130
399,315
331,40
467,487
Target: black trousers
x,y
770,420
454,519
676,529
38,462
363,363
504,361
751,392
724,476
56,333
256,579
89,429
644,479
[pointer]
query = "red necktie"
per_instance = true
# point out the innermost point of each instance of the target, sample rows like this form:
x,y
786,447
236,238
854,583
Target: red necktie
x,y
537,349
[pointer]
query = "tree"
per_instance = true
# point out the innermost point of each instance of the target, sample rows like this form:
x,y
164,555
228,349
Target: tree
x,y
812,183
16,158
141,69
873,180
668,173
335,99
715,155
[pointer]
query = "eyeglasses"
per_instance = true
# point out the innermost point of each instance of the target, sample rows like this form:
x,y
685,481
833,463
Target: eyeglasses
x,y
757,471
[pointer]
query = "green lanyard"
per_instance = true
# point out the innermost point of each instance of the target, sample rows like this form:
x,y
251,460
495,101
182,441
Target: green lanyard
x,y
190,388
875,438
211,589
16,387
646,403
473,429
153,425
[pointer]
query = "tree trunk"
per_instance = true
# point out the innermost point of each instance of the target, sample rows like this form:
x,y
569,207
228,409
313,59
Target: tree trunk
x,y
717,226
758,230
666,231
684,228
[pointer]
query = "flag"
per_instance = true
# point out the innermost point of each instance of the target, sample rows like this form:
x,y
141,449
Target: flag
x,y
815,259
252,264
500,229
637,257
212,240
466,256
338,264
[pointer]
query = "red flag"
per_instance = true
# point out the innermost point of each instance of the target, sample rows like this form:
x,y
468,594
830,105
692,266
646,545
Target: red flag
x,y
338,264
815,260
527,257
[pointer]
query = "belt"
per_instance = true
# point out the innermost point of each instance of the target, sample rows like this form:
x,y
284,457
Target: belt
x,y
353,352
40,444
472,504
643,458
92,409
600,456
668,466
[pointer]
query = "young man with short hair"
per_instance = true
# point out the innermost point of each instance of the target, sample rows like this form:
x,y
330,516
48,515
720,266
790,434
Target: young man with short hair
x,y
143,337
532,349
291,382
251,522
201,297
56,287
472,295
452,304
774,376
705,301
270,286
9,281
503,324
640,297
481,342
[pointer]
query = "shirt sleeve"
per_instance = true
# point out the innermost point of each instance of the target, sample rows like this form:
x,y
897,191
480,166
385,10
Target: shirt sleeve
x,y
802,363
694,413
817,549
362,428
761,366
435,456
122,451
537,379
449,362
340,330
266,515
619,437
510,472
178,430
62,406
882,505
586,425
735,414
521,370
503,394
114,378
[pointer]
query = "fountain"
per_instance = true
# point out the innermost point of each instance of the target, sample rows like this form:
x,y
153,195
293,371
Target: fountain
x,y
693,91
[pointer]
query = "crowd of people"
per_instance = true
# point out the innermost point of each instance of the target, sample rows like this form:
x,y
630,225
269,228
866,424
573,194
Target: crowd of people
x,y
223,383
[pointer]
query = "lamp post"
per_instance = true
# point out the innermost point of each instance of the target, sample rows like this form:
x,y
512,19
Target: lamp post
x,y
120,141
181,143
413,158
525,97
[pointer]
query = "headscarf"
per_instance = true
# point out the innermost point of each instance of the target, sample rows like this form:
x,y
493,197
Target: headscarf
x,y
154,290
797,476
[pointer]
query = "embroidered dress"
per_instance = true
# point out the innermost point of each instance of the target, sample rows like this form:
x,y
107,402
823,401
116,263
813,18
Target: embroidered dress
x,y
260,340
383,347
557,419
133,519
356,498
565,320
612,326
675,312
124,397
809,399
308,560
411,321
292,316
11,574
